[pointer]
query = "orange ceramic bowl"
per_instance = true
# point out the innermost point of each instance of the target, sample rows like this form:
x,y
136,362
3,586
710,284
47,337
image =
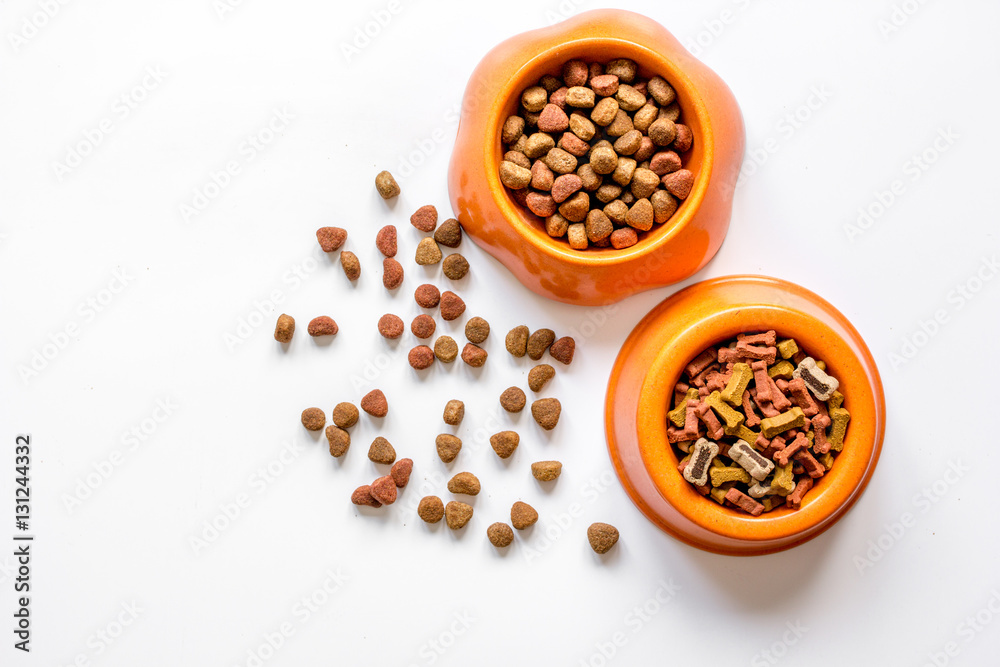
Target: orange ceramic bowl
x,y
641,388
515,236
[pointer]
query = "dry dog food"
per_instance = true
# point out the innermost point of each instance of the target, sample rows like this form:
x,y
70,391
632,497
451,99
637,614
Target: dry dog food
x,y
517,341
427,296
392,273
539,376
375,403
386,185
284,329
352,267
546,412
400,472
500,534
322,326
390,326
430,509
465,483
446,349
452,306
454,412
546,471
602,536
428,252
331,238
474,355
455,266
448,447
386,241
513,399
425,218
504,443
381,451
449,234
522,515
363,496
757,422
598,154
423,326
477,330
339,440
384,490
345,415
421,357
313,419
457,514
538,342
563,350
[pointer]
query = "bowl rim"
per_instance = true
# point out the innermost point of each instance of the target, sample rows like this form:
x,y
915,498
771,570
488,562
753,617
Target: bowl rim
x,y
727,311
693,110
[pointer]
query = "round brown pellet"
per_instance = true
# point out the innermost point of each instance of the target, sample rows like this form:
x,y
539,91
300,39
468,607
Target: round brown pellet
x,y
392,273
390,326
427,296
423,326
421,357
477,330
455,267
513,399
446,349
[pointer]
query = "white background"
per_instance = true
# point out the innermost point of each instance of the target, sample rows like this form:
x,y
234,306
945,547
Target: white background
x,y
868,102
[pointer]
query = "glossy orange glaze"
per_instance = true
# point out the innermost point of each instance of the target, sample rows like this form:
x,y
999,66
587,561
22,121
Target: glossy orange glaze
x,y
641,388
672,251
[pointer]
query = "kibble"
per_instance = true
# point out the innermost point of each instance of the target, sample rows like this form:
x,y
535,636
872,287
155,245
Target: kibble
x,y
448,447
384,490
423,326
427,252
427,296
449,234
457,514
452,306
522,515
546,471
504,443
539,376
400,472
477,330
425,218
331,238
539,341
313,419
363,496
500,535
517,341
284,329
345,415
421,357
563,350
455,266
375,403
474,355
352,267
390,326
322,326
386,241
454,412
465,483
430,509
513,399
338,439
446,349
546,412
392,273
602,536
386,185
381,451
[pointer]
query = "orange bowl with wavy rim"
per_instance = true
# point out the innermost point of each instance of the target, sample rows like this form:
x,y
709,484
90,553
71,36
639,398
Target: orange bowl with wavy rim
x,y
670,252
652,360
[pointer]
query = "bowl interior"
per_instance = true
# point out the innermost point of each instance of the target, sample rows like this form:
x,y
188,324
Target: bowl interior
x,y
838,486
651,63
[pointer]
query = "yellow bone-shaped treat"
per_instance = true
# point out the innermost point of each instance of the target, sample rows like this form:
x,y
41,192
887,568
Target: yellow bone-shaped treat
x,y
772,426
826,460
783,370
783,481
718,494
676,415
726,413
788,348
836,401
743,433
839,417
729,474
738,382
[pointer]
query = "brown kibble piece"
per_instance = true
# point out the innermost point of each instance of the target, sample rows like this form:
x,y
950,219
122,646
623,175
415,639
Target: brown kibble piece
x,y
605,111
465,483
284,329
517,340
457,514
423,326
522,515
605,85
539,376
538,144
425,218
664,206
427,296
556,225
603,160
563,349
541,176
428,252
392,273
386,185
322,326
582,126
349,262
546,412
575,72
455,266
448,447
565,186
665,162
513,399
400,472
375,404
449,234
684,138
539,341
477,330
546,471
644,183
500,535
430,509
518,158
541,204
625,69
345,415
552,119
381,451
513,128
474,355
454,412
602,537
598,225
421,357
338,439
386,241
661,91
625,237
679,183
313,419
446,349
452,306
390,326
514,176
331,238
504,443
640,216
363,496
384,490
580,97
662,132
533,99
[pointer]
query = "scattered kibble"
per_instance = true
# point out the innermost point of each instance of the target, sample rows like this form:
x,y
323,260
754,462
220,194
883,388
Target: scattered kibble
x,y
427,296
452,306
352,267
345,415
474,355
513,399
375,403
313,419
448,447
522,515
400,472
563,350
538,342
381,451
455,266
363,496
339,440
504,443
477,330
430,509
454,412
421,357
546,471
391,326
457,514
331,238
449,234
423,326
517,341
465,483
546,412
322,326
284,329
386,185
386,241
602,537
446,349
500,535
427,252
539,376
384,490
392,273
425,218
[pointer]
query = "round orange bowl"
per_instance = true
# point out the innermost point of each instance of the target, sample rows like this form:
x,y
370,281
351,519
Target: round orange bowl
x,y
669,253
651,362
